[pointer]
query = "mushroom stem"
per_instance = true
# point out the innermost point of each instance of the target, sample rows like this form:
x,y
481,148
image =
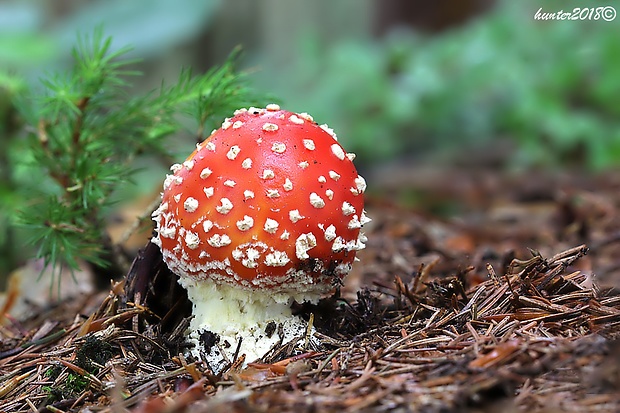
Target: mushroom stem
x,y
259,320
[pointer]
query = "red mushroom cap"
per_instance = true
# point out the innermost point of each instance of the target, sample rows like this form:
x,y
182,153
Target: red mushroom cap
x,y
270,200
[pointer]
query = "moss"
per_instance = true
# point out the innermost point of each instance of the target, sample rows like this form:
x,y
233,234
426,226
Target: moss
x,y
71,387
92,353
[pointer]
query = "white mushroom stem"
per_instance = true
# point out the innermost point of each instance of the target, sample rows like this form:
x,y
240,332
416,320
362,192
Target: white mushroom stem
x,y
259,319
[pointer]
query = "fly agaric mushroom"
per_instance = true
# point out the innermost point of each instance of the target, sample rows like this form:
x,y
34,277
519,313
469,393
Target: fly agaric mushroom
x,y
267,210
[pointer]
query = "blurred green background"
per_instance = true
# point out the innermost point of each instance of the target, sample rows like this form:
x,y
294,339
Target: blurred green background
x,y
403,81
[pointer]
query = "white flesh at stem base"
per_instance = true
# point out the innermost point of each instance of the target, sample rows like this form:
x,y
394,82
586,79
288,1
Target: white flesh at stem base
x,y
259,319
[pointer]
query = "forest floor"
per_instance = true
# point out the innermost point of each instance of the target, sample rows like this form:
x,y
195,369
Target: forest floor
x,y
478,291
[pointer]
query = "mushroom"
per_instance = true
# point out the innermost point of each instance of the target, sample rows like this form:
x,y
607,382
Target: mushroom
x,y
267,210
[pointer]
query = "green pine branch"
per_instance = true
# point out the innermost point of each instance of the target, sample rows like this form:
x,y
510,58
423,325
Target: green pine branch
x,y
85,135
